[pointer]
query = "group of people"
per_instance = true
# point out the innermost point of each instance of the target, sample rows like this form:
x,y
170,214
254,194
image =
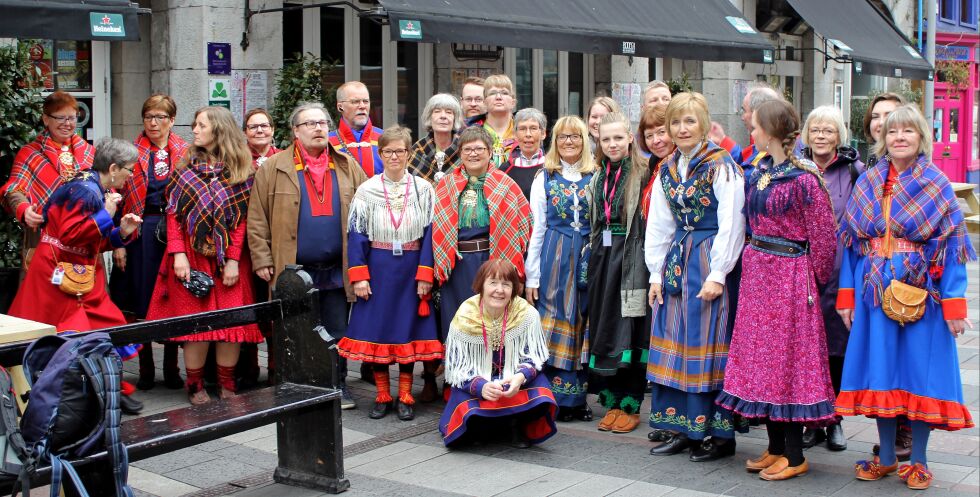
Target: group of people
x,y
783,282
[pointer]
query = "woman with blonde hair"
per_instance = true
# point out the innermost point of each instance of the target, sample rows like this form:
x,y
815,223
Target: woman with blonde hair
x,y
206,248
557,261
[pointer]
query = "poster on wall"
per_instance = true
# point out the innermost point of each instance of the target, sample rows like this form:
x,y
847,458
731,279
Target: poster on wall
x,y
249,89
629,96
219,58
63,65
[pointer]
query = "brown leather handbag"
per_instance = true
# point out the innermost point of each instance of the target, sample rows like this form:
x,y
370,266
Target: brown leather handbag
x,y
75,279
901,302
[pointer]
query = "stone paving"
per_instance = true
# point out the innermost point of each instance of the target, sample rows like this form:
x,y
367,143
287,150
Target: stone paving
x,y
393,458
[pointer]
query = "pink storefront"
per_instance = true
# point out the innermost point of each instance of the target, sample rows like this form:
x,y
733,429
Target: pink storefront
x,y
955,118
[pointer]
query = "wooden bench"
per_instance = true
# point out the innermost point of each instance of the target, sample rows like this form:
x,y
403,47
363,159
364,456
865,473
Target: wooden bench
x,y
967,192
305,402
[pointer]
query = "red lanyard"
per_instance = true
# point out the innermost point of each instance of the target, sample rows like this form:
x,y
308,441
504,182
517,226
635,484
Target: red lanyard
x,y
391,213
606,202
503,327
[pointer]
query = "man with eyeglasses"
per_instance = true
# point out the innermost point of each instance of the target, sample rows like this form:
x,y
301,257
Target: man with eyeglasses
x,y
500,102
298,214
471,95
55,156
355,136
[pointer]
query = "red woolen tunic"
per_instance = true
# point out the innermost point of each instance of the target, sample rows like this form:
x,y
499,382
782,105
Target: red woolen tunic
x,y
170,298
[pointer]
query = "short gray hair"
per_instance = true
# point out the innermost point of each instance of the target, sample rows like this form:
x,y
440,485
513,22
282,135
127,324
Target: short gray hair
x,y
305,106
760,95
530,114
109,150
826,114
442,101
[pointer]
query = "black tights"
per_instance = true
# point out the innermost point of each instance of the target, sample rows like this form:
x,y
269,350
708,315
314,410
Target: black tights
x,y
786,439
402,368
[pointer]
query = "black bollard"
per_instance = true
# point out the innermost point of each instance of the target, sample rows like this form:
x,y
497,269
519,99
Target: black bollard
x,y
310,443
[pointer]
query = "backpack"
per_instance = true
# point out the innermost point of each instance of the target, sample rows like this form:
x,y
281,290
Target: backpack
x,y
15,457
73,410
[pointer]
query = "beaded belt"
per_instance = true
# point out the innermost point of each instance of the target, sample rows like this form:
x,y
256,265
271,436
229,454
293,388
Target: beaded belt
x,y
415,245
50,240
898,245
479,245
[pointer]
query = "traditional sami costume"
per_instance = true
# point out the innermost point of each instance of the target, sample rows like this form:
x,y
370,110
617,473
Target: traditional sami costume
x,y
206,222
777,364
476,218
39,168
503,143
390,244
479,350
695,234
430,163
617,289
523,169
556,260
361,145
911,370
76,230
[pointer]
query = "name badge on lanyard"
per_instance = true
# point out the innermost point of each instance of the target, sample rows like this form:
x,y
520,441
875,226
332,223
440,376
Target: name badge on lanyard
x,y
396,247
607,238
58,276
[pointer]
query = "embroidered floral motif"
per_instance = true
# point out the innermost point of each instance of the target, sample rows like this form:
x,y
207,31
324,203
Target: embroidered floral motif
x,y
561,194
699,424
562,387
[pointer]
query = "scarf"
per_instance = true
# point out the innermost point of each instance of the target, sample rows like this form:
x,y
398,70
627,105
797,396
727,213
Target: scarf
x,y
502,144
258,160
37,170
343,140
924,210
510,220
207,206
425,162
318,181
134,191
468,354
766,198
476,213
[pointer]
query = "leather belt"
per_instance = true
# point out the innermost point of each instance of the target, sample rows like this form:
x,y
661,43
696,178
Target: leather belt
x,y
414,245
479,245
897,245
780,246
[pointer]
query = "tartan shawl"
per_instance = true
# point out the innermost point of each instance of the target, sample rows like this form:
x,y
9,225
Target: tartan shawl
x,y
208,210
36,171
924,210
423,161
134,191
510,220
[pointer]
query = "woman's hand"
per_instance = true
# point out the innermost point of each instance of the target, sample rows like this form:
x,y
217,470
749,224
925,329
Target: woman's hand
x,y
655,294
182,267
424,287
127,225
492,391
514,384
265,273
531,294
362,289
229,274
847,316
958,326
119,258
710,291
112,200
32,218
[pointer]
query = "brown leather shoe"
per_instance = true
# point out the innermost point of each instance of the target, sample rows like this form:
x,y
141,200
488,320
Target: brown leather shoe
x,y
873,470
607,421
916,476
626,423
760,463
781,470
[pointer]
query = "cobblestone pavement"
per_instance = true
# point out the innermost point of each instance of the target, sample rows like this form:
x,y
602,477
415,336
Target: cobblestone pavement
x,y
392,458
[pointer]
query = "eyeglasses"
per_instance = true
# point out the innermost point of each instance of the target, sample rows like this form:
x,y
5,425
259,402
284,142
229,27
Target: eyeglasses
x,y
823,132
323,123
64,119
262,126
528,129
156,118
473,100
387,154
498,93
569,138
357,102
130,169
473,150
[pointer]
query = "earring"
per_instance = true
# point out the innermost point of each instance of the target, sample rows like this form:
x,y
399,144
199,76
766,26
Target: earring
x,y
112,178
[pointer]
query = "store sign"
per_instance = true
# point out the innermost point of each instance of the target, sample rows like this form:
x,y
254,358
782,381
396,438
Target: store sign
x,y
629,48
410,29
107,25
952,52
219,58
740,25
767,56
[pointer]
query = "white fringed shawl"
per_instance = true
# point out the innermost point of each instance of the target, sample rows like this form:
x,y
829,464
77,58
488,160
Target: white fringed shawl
x,y
369,212
467,356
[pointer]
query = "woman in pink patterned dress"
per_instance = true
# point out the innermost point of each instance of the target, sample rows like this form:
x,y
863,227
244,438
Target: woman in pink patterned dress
x,y
777,365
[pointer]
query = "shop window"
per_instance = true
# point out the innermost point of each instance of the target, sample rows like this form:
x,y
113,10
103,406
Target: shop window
x,y
292,38
371,62
549,74
947,10
954,125
576,86
63,65
968,13
524,78
332,34
408,77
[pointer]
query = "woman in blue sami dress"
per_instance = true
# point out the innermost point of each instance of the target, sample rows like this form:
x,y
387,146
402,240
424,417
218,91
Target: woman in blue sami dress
x,y
390,266
555,263
695,234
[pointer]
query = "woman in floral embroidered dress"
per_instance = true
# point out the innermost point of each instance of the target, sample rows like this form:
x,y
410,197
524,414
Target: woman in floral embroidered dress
x,y
556,261
694,237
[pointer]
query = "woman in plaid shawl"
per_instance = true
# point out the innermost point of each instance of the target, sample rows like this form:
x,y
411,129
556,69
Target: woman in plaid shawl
x,y
890,369
437,154
206,208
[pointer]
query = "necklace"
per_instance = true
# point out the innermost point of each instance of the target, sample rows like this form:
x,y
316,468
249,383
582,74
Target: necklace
x,y
161,167
493,340
67,162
